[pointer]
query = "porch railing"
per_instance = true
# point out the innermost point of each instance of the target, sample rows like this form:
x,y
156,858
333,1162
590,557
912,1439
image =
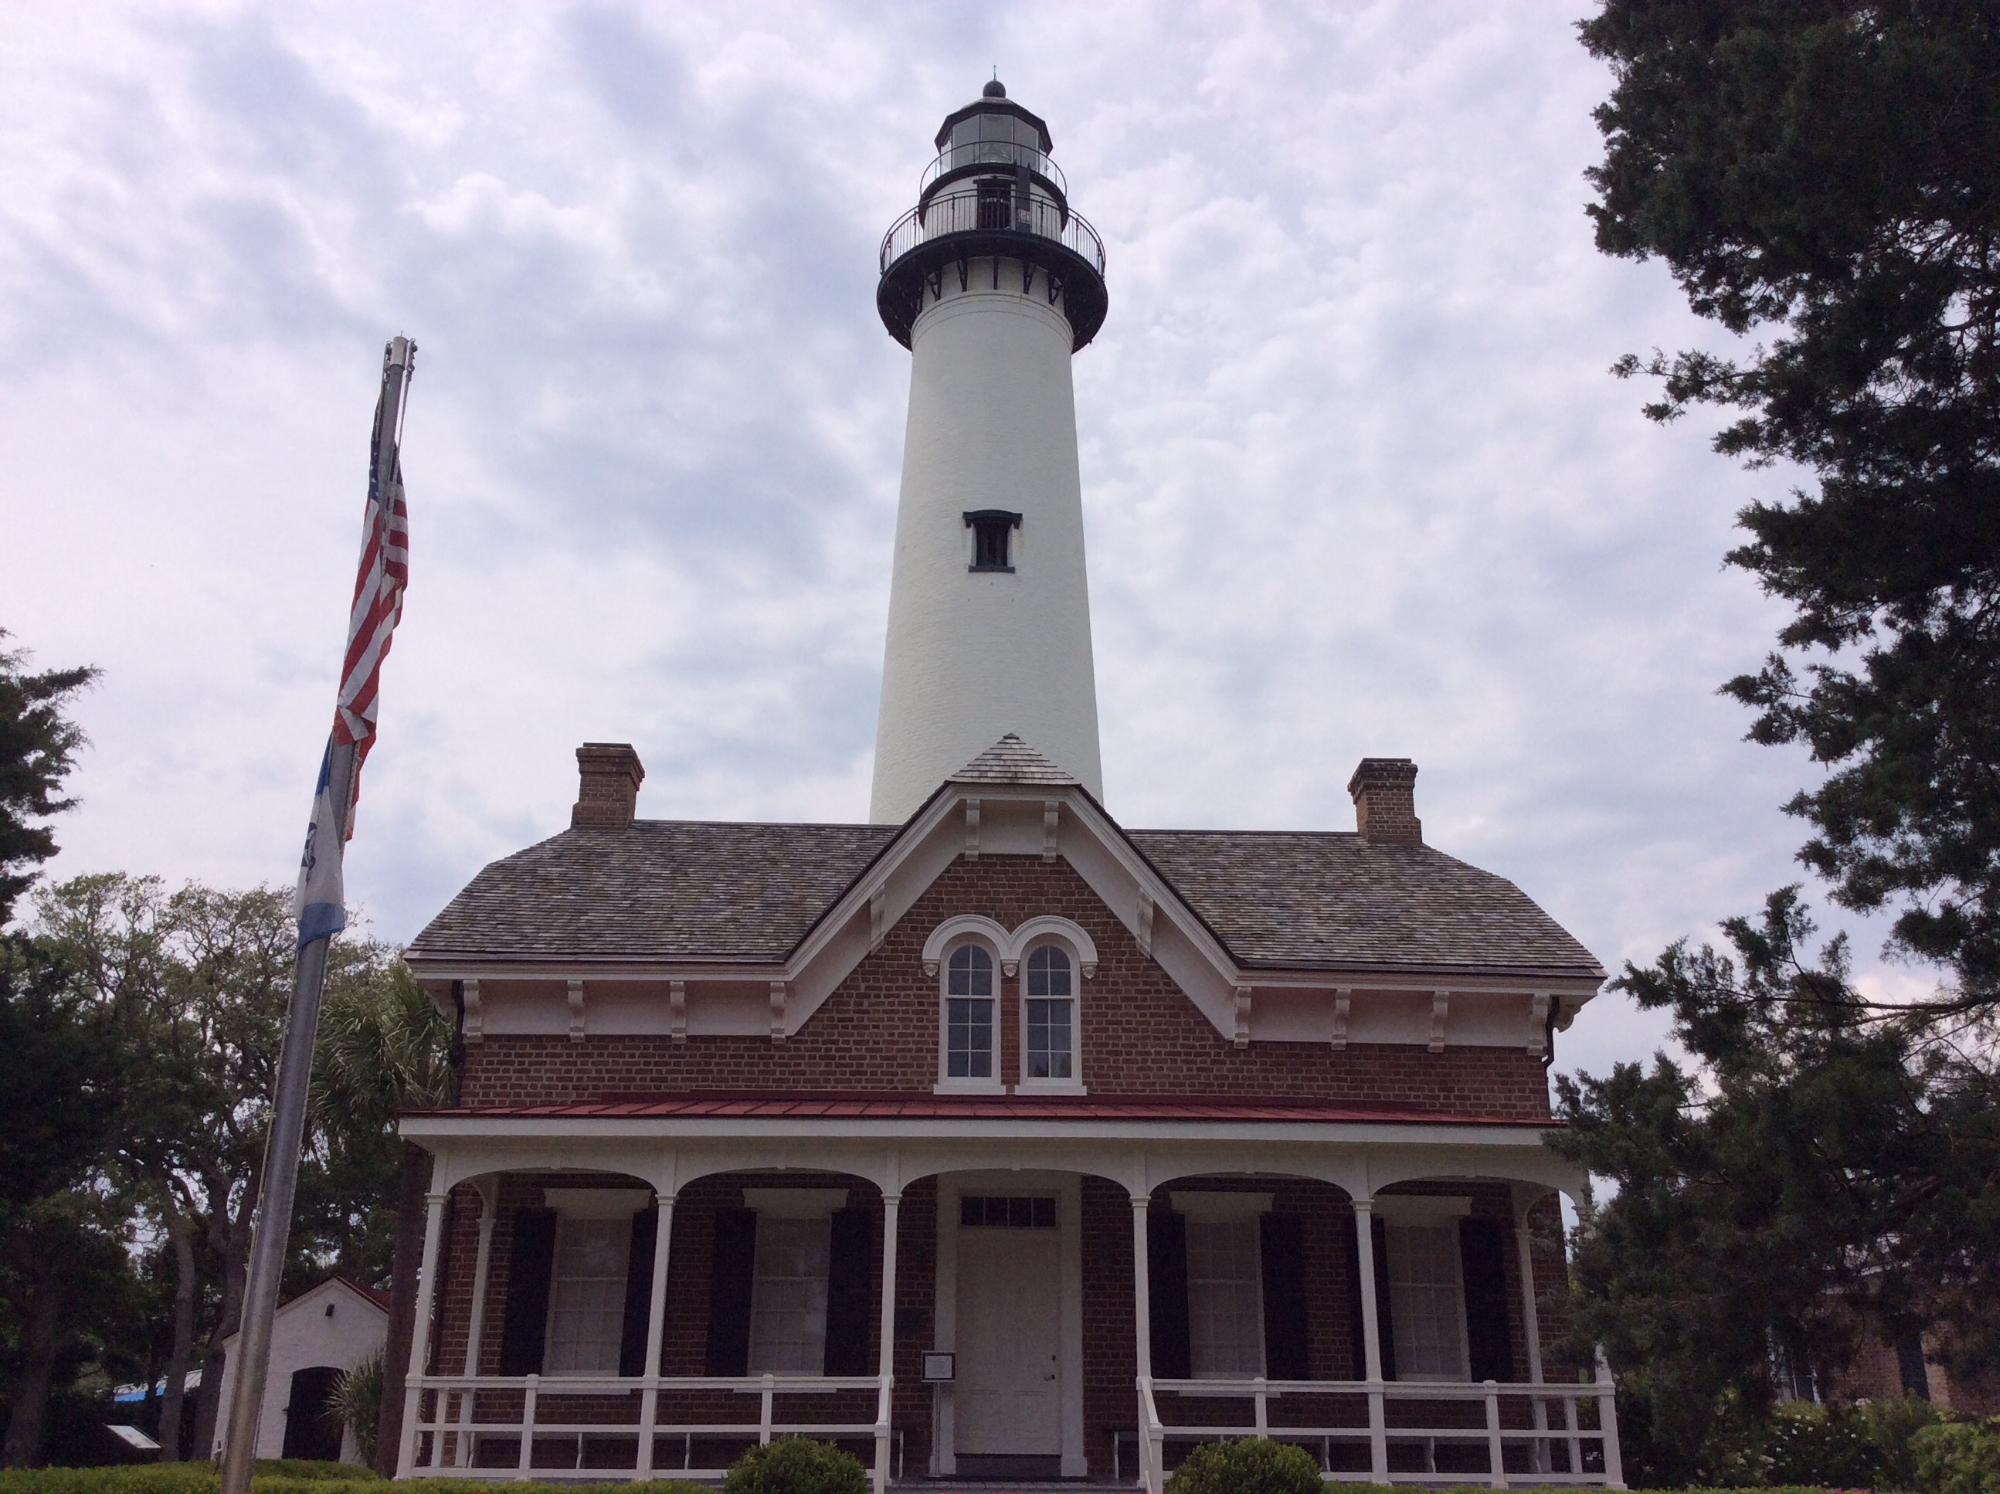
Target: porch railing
x,y
452,1440
1545,1420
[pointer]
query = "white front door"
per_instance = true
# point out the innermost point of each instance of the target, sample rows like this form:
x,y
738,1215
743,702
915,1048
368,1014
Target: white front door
x,y
1008,1401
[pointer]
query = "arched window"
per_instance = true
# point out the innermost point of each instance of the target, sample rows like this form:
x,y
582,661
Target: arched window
x,y
969,1007
1048,1018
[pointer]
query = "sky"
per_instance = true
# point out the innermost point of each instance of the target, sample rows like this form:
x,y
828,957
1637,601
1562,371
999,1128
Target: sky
x,y
1357,480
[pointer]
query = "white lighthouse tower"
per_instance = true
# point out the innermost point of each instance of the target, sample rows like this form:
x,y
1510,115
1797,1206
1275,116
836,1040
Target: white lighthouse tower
x,y
992,282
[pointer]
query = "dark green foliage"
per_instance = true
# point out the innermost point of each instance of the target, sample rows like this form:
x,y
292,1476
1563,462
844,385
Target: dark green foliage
x,y
1959,1458
1248,1465
1826,177
1810,1160
1823,180
37,744
795,1465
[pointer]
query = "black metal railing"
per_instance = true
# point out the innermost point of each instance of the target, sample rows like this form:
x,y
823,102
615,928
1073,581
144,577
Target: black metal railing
x,y
1007,153
992,212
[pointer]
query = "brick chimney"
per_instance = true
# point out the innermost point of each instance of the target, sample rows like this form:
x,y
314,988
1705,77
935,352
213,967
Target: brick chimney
x,y
1385,801
607,793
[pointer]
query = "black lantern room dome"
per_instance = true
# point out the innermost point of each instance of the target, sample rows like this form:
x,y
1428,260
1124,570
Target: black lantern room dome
x,y
994,193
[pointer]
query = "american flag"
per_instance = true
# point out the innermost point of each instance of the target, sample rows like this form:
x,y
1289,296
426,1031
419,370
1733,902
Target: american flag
x,y
321,902
378,607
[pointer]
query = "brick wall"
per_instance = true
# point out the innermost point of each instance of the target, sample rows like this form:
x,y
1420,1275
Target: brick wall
x,y
878,1031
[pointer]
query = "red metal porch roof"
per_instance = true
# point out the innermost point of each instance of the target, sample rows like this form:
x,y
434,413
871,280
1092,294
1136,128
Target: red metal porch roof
x,y
1179,1109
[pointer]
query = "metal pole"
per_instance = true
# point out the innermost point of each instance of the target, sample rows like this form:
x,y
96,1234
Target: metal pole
x,y
286,1141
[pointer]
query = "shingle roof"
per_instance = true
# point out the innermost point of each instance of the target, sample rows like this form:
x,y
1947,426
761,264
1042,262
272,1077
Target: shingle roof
x,y
664,889
1333,899
678,889
1011,760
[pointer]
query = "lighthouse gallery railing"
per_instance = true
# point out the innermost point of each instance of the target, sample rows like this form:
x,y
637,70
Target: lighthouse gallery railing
x,y
975,211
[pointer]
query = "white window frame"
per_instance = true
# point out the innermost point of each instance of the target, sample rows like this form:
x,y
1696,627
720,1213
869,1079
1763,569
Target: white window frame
x,y
992,1083
806,1206
596,1206
1236,1211
1442,1216
1073,1085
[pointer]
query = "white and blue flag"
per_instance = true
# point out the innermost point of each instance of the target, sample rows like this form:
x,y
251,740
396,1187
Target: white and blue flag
x,y
321,904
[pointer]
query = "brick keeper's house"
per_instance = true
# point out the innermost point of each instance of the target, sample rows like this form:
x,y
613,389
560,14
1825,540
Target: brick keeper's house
x,y
994,1139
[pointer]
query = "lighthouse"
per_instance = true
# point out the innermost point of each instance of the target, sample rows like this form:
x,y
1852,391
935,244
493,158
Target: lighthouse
x,y
993,282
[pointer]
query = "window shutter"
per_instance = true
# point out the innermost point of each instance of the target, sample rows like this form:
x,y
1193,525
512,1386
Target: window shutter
x,y
729,1285
1283,1241
638,1292
529,1268
847,1294
1385,1322
1167,1291
1482,1251
1916,1375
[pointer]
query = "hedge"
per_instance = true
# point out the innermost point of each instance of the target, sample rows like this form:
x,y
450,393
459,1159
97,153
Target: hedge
x,y
279,1478
200,1478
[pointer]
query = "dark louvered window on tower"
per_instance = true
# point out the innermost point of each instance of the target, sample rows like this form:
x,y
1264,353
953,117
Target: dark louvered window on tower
x,y
992,538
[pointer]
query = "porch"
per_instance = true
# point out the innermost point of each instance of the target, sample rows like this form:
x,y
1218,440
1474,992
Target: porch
x,y
966,1298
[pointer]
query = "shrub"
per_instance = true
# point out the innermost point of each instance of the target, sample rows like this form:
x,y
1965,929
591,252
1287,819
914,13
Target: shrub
x,y
1891,1428
1808,1444
1797,1443
1251,1465
795,1465
357,1403
1958,1457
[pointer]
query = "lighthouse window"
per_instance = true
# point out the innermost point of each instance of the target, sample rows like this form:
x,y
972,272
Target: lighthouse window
x,y
992,539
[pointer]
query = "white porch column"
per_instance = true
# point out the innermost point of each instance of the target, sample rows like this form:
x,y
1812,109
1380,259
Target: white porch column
x,y
1531,1325
1142,1286
1371,1340
1150,1472
489,1199
886,1362
420,1333
656,1301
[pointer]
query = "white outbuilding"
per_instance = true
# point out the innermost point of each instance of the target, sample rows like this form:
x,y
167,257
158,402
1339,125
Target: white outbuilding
x,y
315,1339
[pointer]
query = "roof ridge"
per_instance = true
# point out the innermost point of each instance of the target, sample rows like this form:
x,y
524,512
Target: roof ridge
x,y
757,824
1227,830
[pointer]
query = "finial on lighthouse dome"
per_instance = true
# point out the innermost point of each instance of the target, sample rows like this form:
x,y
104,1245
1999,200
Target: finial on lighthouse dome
x,y
995,89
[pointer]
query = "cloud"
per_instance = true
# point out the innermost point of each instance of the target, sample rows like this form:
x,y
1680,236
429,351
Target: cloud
x,y
1356,479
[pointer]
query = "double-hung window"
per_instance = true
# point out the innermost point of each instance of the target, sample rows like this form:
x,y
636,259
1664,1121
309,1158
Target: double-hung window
x,y
788,1295
969,1003
1225,1298
1049,1016
1427,1301
587,1295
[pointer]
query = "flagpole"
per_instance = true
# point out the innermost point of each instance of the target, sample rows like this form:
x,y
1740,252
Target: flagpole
x,y
286,1142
